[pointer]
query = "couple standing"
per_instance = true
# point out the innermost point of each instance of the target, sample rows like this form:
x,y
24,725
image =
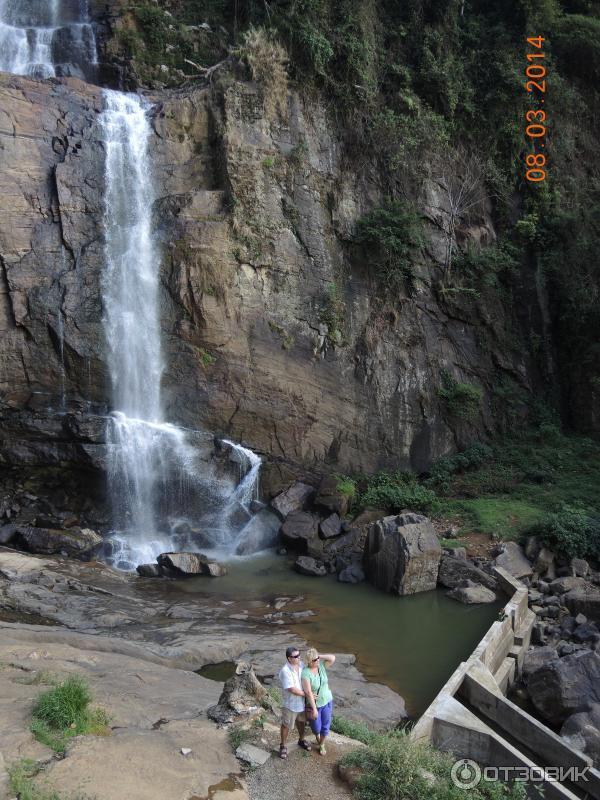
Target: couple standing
x,y
306,697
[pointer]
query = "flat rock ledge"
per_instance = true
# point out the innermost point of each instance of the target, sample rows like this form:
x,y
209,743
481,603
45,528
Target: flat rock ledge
x,y
154,716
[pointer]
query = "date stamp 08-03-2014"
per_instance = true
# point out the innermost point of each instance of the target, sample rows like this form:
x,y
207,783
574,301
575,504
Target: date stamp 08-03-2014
x,y
535,118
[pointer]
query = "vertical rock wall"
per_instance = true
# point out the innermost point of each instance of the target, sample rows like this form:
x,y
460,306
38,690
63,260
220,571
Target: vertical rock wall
x,y
275,333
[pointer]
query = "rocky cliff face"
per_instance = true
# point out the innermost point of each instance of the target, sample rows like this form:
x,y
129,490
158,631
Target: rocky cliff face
x,y
274,331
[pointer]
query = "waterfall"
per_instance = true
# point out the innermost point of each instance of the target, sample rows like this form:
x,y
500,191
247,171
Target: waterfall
x,y
164,489
46,38
154,469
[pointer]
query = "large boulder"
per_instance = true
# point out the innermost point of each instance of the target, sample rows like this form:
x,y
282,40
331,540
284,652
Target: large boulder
x,y
331,527
583,600
7,533
580,567
148,570
306,565
544,563
72,542
513,560
471,594
561,687
259,534
402,554
299,529
582,731
565,584
181,565
536,658
353,573
329,498
455,571
295,498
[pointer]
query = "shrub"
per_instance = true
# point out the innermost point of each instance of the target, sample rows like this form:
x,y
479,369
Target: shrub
x,y
462,400
486,265
395,768
267,60
394,232
397,491
573,532
346,486
470,458
332,313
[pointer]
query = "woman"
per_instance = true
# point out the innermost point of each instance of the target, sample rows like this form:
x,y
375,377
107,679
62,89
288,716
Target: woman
x,y
319,700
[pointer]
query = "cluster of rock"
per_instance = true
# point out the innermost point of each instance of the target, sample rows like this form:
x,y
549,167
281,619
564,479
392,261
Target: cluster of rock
x,y
398,553
561,670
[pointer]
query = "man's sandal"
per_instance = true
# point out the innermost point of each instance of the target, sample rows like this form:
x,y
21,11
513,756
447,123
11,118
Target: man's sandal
x,y
283,751
304,744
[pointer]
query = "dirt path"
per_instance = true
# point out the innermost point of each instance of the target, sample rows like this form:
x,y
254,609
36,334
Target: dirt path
x,y
302,774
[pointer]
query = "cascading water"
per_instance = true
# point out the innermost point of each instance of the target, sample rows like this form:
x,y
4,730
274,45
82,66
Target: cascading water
x,y
154,471
46,38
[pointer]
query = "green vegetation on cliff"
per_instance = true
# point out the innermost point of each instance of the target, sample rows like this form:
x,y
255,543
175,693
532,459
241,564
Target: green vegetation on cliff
x,y
434,91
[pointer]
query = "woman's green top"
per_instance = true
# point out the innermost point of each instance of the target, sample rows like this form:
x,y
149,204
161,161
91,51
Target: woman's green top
x,y
319,685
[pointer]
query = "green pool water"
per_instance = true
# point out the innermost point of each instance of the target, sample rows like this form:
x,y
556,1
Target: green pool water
x,y
412,644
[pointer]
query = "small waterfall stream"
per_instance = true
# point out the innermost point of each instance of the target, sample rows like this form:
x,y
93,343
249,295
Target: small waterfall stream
x,y
46,38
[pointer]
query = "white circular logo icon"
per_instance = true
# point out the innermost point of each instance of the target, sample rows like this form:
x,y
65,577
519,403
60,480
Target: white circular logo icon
x,y
465,773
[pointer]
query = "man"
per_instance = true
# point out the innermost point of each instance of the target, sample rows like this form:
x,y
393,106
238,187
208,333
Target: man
x,y
293,700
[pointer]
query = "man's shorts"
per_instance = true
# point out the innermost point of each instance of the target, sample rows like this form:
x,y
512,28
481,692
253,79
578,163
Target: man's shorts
x,y
289,718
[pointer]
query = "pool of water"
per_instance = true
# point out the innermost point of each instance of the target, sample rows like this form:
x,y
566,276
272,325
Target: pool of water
x,y
412,644
220,672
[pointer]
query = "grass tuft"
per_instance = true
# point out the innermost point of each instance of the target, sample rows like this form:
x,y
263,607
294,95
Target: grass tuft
x,y
62,713
353,730
237,735
21,775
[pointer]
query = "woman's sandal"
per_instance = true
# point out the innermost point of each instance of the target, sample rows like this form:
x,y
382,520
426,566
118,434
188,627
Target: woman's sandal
x,y
322,750
283,751
304,744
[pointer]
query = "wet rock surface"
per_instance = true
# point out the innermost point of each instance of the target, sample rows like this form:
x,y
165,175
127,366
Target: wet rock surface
x,y
177,565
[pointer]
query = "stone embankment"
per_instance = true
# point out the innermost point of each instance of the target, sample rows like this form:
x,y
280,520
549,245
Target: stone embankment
x,y
474,719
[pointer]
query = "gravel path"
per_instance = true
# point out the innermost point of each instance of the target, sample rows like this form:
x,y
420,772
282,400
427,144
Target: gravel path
x,y
302,774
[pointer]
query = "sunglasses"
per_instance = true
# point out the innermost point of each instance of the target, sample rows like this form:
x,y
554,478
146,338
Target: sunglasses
x,y
315,659
296,655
